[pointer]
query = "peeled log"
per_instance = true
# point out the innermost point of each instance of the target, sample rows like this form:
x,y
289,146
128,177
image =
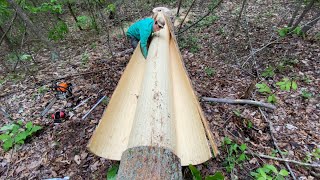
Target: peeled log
x,y
149,163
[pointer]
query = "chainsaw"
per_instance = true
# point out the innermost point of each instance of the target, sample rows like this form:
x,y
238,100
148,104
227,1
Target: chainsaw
x,y
62,90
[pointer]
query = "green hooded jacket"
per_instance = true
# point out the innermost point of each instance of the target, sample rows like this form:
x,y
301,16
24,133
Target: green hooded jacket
x,y
142,30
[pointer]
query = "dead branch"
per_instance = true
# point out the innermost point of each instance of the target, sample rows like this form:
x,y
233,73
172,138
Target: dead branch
x,y
305,11
78,74
122,53
179,5
207,14
275,142
5,114
311,24
284,160
295,13
5,33
239,101
186,14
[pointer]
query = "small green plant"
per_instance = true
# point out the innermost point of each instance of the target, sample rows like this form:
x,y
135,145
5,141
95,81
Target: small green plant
x,y
209,20
317,36
249,124
105,101
298,31
111,8
16,133
85,22
306,79
236,154
272,99
275,152
58,31
197,176
269,172
93,45
43,89
263,88
191,43
237,112
85,58
314,156
305,94
283,31
112,172
209,71
268,72
287,84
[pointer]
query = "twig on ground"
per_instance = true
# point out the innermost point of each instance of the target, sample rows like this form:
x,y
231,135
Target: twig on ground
x,y
207,14
122,53
78,74
5,114
275,143
9,165
284,160
239,101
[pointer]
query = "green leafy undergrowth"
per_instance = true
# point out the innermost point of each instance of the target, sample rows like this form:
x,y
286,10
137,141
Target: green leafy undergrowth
x,y
197,176
314,156
263,88
305,94
16,133
235,154
112,172
283,32
209,71
58,31
269,172
287,84
272,99
268,72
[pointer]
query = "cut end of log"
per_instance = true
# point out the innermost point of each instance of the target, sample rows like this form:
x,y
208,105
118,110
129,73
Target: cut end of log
x,y
149,163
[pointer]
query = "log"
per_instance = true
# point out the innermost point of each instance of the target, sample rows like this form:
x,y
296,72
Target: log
x,y
149,163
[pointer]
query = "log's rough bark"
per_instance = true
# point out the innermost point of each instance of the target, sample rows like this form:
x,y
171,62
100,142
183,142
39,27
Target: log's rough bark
x,y
149,163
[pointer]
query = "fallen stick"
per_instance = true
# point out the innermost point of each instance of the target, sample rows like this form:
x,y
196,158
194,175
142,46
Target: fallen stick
x,y
87,114
284,160
275,143
6,114
239,101
79,74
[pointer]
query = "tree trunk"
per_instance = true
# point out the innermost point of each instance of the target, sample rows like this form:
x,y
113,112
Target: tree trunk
x,y
149,163
73,15
305,11
5,38
295,13
34,29
179,5
186,15
314,21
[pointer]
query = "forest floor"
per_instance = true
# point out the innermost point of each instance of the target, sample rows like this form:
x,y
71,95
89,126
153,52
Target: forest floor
x,y
215,54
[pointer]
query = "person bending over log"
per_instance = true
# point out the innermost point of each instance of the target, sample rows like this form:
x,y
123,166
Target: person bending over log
x,y
142,30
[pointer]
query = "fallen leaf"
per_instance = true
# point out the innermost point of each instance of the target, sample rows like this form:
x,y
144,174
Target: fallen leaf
x,y
77,159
